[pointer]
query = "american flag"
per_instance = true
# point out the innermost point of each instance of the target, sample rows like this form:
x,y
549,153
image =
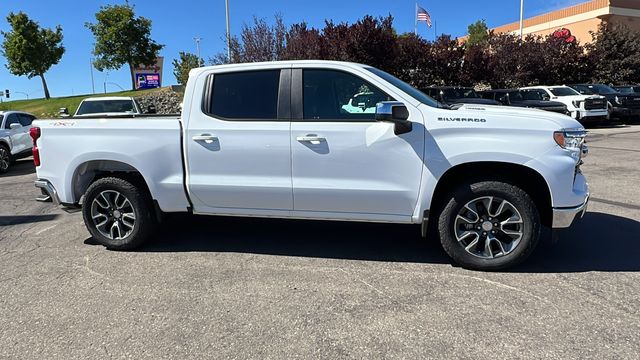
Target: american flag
x,y
423,15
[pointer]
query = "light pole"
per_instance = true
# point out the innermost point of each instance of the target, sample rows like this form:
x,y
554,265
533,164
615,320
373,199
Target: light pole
x,y
198,39
93,86
226,4
521,19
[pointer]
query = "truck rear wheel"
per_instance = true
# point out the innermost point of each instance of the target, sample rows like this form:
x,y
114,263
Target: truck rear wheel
x,y
489,225
118,214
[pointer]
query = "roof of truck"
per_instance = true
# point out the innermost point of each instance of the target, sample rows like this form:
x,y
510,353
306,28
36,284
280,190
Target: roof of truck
x,y
266,64
108,98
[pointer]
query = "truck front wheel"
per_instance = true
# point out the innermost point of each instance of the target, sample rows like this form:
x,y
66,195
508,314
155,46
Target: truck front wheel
x,y
117,213
489,225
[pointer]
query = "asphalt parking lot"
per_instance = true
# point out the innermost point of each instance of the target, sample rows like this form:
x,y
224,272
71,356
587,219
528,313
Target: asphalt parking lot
x,y
235,288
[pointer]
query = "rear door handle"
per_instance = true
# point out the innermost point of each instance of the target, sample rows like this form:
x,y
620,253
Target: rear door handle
x,y
313,139
208,138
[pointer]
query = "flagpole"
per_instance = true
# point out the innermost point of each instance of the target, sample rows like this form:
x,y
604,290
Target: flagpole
x,y
415,28
521,19
435,29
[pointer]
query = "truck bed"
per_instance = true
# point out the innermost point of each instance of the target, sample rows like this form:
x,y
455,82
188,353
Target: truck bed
x,y
73,148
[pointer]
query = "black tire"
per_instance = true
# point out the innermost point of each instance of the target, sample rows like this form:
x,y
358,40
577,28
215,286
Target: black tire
x,y
530,227
141,203
5,159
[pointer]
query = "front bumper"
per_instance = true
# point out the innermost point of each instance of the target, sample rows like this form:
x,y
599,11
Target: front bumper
x,y
625,111
564,217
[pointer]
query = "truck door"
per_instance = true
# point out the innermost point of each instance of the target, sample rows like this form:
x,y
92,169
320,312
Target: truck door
x,y
238,148
345,163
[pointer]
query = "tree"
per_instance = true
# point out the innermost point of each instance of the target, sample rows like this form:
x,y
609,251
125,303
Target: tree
x,y
615,53
122,38
478,32
183,65
31,50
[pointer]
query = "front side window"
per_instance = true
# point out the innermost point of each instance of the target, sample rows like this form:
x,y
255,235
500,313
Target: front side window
x,y
248,95
11,119
532,95
515,96
337,95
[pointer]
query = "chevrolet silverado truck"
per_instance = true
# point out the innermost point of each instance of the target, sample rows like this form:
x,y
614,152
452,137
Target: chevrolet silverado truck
x,y
108,106
276,140
587,109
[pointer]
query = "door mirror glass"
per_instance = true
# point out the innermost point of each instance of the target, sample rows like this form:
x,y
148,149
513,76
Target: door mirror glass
x,y
151,109
63,111
395,112
15,126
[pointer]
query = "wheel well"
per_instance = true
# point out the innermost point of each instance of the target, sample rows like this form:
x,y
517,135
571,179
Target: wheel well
x,y
521,176
87,173
5,144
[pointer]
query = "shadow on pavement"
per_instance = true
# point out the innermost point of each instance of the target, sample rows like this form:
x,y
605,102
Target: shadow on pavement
x,y
25,219
19,168
320,239
599,242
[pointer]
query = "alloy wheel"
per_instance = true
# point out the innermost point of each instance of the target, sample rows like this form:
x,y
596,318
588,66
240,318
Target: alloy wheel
x,y
113,215
489,227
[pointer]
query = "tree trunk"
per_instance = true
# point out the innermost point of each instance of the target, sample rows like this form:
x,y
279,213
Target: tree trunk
x,y
44,85
133,78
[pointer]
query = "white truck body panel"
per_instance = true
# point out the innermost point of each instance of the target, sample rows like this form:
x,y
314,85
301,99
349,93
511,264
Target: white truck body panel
x,y
357,171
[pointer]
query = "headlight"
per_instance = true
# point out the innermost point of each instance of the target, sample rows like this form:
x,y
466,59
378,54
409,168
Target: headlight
x,y
570,139
577,103
618,101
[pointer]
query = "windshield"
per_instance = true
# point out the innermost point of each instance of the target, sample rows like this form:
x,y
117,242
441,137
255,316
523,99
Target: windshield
x,y
602,89
410,90
515,96
105,106
583,89
564,91
628,89
461,93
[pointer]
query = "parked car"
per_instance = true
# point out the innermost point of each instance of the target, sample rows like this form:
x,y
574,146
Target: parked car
x,y
15,142
109,106
513,97
622,106
451,95
274,140
588,109
627,89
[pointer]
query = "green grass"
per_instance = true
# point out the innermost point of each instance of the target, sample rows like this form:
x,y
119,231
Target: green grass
x,y
49,108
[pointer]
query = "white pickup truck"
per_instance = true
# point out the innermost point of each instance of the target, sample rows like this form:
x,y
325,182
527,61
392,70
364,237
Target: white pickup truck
x,y
276,140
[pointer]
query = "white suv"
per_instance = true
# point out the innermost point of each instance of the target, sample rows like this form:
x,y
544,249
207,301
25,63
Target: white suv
x,y
584,108
15,142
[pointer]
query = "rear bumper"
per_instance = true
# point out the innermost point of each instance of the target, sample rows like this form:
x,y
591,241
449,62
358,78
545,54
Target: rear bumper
x,y
564,217
49,193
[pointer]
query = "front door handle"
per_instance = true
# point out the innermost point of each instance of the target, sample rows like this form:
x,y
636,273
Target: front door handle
x,y
208,138
313,139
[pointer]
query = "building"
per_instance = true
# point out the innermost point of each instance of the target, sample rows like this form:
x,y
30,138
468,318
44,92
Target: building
x,y
580,19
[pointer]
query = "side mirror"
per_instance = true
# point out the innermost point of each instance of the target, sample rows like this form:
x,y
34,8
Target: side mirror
x,y
15,126
395,112
546,97
151,109
63,112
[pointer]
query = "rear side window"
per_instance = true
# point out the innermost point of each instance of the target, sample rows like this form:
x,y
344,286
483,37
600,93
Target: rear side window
x,y
249,95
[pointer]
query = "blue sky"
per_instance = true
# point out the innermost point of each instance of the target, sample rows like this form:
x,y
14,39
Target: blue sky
x,y
176,23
